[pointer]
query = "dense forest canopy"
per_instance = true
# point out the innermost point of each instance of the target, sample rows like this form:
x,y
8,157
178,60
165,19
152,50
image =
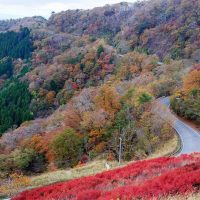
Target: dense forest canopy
x,y
14,102
6,67
14,95
16,44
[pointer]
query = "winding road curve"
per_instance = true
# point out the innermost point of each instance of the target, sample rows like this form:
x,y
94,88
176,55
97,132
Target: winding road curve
x,y
190,138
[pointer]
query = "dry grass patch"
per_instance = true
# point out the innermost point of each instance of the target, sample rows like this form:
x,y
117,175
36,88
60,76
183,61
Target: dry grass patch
x,y
48,178
64,175
168,148
193,196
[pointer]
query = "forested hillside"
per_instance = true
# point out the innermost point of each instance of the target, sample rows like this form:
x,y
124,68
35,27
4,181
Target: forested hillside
x,y
14,102
16,44
16,24
86,78
186,101
14,95
169,28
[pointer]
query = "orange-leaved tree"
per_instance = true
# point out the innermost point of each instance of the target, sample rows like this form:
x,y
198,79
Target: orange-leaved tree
x,y
40,144
192,80
108,99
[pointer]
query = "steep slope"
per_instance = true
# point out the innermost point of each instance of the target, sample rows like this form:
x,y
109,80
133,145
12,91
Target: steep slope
x,y
164,27
94,75
100,21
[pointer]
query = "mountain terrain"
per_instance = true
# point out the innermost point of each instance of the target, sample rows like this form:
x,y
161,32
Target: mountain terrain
x,y
74,85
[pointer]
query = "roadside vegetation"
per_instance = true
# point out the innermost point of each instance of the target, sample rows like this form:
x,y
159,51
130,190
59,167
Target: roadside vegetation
x,y
186,101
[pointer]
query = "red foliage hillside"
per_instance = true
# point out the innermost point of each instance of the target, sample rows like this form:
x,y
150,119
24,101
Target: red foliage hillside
x,y
142,179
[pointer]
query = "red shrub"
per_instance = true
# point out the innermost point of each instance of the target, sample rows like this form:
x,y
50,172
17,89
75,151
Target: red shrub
x,y
88,194
142,179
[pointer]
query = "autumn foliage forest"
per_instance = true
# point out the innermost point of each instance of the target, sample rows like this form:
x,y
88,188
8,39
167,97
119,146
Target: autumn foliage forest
x,y
82,79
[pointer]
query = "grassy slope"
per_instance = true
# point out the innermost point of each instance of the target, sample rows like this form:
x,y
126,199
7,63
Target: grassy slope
x,y
193,196
146,179
90,168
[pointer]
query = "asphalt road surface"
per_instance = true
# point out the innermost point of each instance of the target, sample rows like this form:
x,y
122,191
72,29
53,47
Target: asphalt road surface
x,y
190,138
